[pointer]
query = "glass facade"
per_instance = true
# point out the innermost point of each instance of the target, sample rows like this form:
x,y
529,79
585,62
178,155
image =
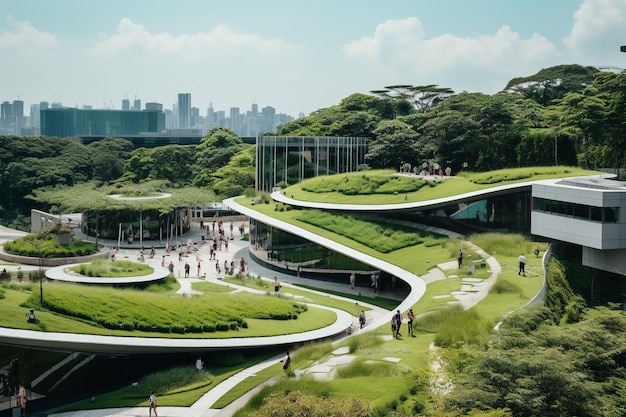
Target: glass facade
x,y
68,122
287,160
292,254
578,211
133,225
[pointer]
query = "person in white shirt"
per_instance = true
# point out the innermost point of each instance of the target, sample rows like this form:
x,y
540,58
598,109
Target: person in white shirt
x,y
522,265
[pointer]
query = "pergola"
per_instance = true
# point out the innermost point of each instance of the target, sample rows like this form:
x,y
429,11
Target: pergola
x,y
108,204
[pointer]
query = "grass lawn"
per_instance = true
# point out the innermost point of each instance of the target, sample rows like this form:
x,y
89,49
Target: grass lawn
x,y
461,183
13,314
307,296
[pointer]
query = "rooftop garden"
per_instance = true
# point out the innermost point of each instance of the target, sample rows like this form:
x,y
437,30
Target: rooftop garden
x,y
389,187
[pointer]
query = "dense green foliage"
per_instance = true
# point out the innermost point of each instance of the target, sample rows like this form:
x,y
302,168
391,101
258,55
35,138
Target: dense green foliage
x,y
131,309
45,244
33,163
549,118
383,237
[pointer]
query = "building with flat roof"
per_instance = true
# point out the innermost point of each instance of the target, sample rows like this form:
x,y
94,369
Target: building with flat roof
x,y
585,211
71,122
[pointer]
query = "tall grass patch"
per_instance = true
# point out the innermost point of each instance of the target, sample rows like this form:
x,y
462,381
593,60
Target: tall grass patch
x,y
503,244
453,325
312,351
362,367
505,286
383,237
112,269
364,341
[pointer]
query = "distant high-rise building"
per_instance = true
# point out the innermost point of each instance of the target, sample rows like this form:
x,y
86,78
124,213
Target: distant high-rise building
x,y
125,104
69,122
235,120
220,118
6,113
136,105
195,116
184,110
269,120
18,108
153,106
211,117
43,105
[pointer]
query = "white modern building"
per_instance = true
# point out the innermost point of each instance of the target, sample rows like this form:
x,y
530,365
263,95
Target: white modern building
x,y
585,211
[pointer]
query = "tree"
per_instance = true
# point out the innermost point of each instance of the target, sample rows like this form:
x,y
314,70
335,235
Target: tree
x,y
239,174
420,97
552,83
395,142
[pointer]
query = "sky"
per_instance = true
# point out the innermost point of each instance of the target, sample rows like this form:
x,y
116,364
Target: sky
x,y
296,56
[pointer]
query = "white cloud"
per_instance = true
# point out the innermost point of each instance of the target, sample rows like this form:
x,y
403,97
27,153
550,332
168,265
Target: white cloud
x,y
401,50
22,39
598,31
134,40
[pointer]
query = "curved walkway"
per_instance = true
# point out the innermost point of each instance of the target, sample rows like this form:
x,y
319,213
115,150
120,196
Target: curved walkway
x,y
58,274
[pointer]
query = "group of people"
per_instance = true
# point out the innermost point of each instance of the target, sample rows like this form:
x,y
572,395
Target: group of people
x,y
396,323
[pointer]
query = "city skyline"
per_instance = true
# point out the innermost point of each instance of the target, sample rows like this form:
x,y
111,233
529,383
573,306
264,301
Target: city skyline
x,y
299,57
182,118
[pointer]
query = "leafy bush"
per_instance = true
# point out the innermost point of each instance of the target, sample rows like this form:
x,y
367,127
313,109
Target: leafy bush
x,y
47,242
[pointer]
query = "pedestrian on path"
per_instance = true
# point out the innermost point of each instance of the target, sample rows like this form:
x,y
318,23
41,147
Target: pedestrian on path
x,y
522,265
153,403
276,285
362,318
459,258
199,364
394,328
187,269
199,265
411,316
398,318
352,280
286,364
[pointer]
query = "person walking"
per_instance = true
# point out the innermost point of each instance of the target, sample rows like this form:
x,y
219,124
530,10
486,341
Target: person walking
x,y
153,403
394,328
410,316
352,280
187,269
522,265
398,318
286,364
199,364
276,285
362,318
459,258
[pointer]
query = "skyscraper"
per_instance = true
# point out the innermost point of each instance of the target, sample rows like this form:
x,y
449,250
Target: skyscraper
x,y
184,110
